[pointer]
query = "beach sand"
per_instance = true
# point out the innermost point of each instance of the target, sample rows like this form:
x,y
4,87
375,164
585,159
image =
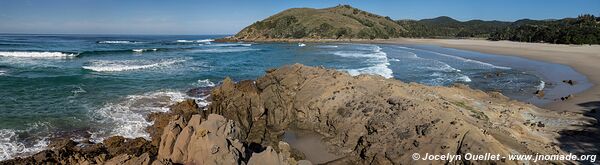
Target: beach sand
x,y
584,59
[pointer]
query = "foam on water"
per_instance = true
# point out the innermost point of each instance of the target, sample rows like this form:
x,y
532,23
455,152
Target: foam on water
x,y
225,50
11,145
541,86
465,78
37,54
230,45
377,58
205,83
2,72
128,65
460,58
127,118
379,69
195,41
143,50
118,42
327,46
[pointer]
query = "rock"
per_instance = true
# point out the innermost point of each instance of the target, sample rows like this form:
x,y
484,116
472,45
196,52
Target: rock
x,y
267,157
365,119
365,116
212,141
570,82
185,109
539,93
304,162
570,96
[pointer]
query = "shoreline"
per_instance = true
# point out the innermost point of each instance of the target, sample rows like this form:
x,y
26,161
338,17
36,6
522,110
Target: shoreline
x,y
579,57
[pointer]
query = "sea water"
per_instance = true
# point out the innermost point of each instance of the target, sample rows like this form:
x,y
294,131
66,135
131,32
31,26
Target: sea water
x,y
96,86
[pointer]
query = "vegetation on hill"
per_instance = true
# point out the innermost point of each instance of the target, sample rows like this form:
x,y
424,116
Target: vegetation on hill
x,y
446,27
584,29
346,22
340,22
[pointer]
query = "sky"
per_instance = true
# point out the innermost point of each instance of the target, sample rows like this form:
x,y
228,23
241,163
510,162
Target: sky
x,y
196,17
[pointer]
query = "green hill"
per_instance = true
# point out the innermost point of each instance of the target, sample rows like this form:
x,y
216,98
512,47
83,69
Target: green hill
x,y
346,22
446,27
584,29
340,22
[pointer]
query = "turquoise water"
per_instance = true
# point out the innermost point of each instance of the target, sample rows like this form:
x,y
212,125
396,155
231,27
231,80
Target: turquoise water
x,y
95,86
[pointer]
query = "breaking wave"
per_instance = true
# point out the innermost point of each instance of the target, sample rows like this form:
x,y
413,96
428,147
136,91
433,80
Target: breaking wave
x,y
38,54
372,54
119,42
195,41
205,83
12,145
541,86
128,117
127,65
143,50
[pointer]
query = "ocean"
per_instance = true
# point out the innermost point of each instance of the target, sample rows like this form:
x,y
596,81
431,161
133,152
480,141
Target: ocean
x,y
96,86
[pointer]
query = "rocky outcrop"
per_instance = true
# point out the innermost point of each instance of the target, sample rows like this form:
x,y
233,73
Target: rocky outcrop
x,y
364,119
212,141
373,120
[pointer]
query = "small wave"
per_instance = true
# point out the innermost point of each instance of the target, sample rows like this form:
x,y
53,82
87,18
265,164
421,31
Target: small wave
x,y
394,59
379,69
126,65
225,50
375,56
195,41
402,47
2,72
462,59
128,116
205,83
541,86
118,42
143,50
441,67
359,54
464,78
38,54
231,45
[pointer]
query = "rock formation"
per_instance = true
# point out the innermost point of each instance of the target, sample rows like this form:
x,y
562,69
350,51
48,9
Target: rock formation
x,y
364,119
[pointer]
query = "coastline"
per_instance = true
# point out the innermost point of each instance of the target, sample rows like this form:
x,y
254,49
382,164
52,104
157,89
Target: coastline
x,y
582,58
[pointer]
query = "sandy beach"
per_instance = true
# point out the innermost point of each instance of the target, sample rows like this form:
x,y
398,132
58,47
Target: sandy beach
x,y
582,58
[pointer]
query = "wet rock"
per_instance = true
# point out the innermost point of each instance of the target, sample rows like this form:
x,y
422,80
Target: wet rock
x,y
570,96
570,82
539,93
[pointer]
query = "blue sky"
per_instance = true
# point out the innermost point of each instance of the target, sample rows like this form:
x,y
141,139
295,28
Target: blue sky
x,y
228,17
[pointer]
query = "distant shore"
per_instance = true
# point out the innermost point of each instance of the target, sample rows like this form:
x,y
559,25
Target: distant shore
x,y
583,58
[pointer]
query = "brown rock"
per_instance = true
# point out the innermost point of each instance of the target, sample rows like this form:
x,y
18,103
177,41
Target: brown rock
x,y
539,93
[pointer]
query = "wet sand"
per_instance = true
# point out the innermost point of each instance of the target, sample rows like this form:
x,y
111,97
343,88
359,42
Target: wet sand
x,y
584,59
